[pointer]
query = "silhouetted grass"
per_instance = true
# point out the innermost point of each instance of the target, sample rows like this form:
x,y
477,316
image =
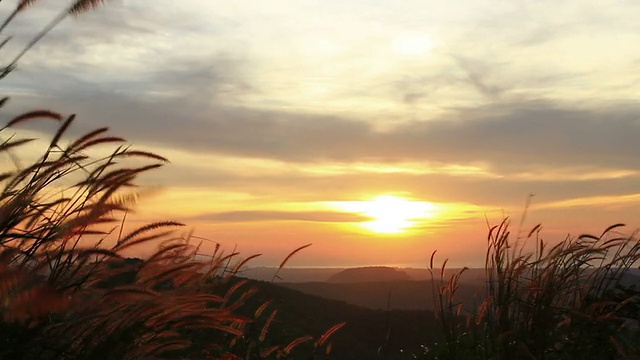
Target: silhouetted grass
x,y
564,301
67,291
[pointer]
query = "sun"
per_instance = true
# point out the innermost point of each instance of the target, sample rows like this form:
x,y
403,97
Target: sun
x,y
390,214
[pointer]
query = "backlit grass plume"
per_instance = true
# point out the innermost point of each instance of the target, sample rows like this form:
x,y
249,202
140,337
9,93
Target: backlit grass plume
x,y
67,291
568,300
81,6
78,7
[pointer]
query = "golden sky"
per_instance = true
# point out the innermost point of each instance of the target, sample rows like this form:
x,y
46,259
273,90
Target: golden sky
x,y
379,131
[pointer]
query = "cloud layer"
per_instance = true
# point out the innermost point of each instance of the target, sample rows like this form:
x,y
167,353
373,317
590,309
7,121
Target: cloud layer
x,y
295,102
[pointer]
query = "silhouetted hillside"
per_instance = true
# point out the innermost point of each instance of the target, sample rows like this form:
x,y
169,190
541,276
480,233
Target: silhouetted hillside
x,y
295,275
369,274
407,295
363,335
289,274
470,275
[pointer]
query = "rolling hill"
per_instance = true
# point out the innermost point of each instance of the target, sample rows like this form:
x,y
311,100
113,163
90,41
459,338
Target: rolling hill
x,y
394,295
369,274
368,334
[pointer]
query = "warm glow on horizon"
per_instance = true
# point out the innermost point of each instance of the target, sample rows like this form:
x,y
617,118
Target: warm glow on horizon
x,y
391,214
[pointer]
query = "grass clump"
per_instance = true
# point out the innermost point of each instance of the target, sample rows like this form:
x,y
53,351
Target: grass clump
x,y
566,301
67,290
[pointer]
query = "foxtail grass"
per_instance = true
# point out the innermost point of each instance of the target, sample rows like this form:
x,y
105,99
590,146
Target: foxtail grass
x,y
566,300
67,290
76,8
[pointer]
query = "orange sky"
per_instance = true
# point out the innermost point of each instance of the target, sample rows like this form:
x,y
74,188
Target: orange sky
x,y
284,121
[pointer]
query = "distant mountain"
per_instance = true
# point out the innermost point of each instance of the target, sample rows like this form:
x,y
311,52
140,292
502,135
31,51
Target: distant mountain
x,y
290,275
369,274
470,275
395,295
297,275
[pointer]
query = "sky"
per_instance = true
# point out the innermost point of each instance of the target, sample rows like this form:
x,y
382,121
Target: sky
x,y
378,131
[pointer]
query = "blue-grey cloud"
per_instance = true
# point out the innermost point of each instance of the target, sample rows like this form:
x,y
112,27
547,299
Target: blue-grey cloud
x,y
515,136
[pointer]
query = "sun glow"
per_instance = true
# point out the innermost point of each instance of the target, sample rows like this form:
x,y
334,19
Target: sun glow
x,y
412,44
390,214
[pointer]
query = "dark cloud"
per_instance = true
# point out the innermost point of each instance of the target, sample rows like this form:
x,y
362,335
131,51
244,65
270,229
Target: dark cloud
x,y
203,81
508,137
526,135
313,216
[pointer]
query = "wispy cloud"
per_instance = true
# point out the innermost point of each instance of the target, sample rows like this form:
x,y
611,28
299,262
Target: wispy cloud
x,y
269,215
601,201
